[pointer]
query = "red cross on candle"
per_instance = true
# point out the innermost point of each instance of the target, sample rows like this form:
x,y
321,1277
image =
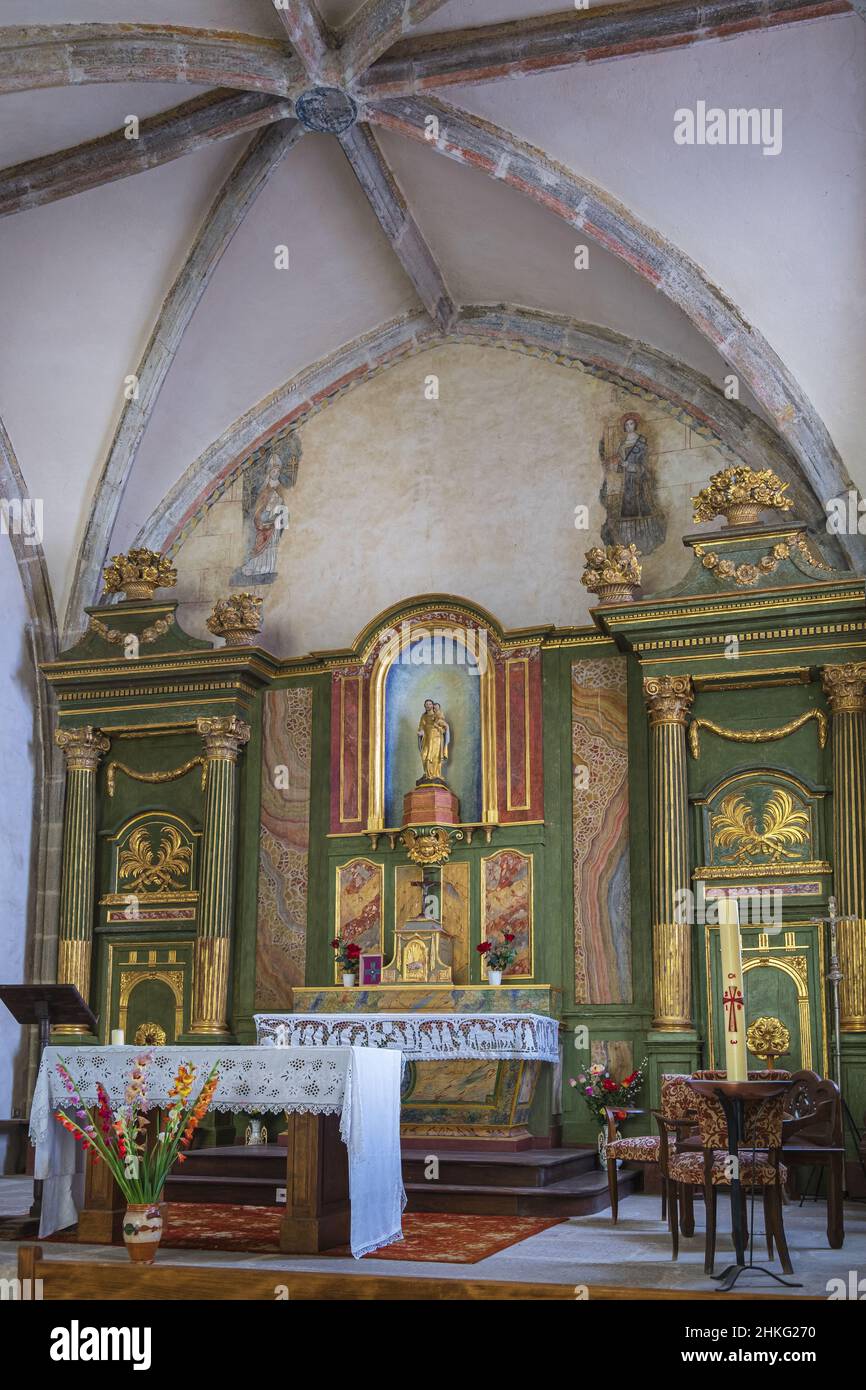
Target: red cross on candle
x,y
733,998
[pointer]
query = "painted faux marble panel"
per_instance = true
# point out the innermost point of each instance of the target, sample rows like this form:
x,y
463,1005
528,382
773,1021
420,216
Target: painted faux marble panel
x,y
281,933
455,917
615,1057
359,904
602,905
506,905
518,999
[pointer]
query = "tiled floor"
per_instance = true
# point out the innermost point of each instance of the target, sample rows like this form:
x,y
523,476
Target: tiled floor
x,y
584,1250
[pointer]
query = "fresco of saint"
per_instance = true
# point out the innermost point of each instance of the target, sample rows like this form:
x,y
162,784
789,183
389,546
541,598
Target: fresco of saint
x,y
266,513
628,492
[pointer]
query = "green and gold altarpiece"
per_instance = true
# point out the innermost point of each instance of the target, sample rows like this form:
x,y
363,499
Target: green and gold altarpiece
x,y
228,813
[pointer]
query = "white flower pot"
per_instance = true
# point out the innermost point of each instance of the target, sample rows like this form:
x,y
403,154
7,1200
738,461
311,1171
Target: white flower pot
x,y
494,977
348,979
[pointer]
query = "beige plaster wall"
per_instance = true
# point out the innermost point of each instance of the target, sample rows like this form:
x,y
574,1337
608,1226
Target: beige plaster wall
x,y
472,494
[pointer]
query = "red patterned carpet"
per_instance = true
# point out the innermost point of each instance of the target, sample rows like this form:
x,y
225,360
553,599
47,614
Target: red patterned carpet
x,y
427,1236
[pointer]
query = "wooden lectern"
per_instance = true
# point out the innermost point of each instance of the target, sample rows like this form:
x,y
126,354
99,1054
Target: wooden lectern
x,y
51,1006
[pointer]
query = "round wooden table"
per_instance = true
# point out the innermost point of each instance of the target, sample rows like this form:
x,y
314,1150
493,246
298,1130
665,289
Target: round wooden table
x,y
733,1097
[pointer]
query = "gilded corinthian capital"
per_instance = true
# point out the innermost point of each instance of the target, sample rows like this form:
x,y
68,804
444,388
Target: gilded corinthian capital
x,y
223,735
668,698
845,687
82,747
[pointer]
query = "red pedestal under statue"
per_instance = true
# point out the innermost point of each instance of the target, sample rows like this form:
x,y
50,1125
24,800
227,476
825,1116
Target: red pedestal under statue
x,y
431,803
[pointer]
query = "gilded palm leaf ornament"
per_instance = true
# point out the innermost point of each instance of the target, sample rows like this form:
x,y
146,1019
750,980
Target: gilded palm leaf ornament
x,y
735,827
154,872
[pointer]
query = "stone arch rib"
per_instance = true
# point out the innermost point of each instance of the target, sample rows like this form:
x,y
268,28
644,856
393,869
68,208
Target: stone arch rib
x,y
69,55
227,212
628,362
487,147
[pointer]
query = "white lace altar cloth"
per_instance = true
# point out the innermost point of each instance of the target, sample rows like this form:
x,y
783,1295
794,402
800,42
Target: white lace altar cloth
x,y
360,1084
421,1037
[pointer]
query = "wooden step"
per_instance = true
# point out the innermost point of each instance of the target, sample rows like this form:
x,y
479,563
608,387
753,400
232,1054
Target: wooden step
x,y
577,1196
527,1168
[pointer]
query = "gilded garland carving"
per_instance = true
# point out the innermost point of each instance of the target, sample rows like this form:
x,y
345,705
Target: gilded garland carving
x,y
740,494
138,573
668,698
746,575
117,638
82,747
157,777
735,827
845,687
756,735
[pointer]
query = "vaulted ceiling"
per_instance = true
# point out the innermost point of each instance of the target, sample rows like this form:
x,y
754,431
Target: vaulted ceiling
x,y
414,157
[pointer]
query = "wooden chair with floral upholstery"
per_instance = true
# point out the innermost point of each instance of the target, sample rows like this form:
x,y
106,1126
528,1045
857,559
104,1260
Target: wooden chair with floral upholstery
x,y
760,1166
677,1106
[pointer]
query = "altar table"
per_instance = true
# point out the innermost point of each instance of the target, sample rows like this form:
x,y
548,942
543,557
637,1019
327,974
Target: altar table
x,y
421,1037
359,1084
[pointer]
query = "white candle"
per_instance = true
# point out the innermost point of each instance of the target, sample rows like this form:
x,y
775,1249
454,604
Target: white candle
x,y
732,990
117,1037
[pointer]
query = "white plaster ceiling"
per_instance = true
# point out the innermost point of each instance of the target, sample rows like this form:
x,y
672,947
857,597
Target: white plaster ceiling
x,y
781,235
496,246
84,278
256,326
37,123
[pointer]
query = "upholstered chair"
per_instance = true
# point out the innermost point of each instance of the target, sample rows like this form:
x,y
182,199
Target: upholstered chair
x,y
759,1166
677,1106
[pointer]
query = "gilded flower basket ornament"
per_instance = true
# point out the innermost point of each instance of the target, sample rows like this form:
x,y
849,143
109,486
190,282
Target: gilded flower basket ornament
x,y
740,494
139,573
237,619
613,572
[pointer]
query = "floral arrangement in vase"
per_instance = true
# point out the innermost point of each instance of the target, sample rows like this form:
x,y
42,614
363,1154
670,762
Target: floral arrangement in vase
x,y
498,957
601,1092
117,1136
348,956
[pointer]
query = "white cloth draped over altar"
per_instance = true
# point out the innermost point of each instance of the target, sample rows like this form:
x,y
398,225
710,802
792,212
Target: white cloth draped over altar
x,y
420,1036
360,1084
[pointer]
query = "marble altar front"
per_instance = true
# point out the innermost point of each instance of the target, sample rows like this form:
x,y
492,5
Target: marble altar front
x,y
459,1101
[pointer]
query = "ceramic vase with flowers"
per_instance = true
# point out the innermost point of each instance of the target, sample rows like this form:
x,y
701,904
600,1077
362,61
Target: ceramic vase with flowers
x,y
117,1136
497,956
606,1097
348,957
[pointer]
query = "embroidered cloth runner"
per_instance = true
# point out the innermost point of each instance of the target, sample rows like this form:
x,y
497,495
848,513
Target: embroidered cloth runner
x,y
360,1084
419,1036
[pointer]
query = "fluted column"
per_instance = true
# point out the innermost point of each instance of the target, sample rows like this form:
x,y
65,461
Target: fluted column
x,y
82,747
668,700
223,739
845,688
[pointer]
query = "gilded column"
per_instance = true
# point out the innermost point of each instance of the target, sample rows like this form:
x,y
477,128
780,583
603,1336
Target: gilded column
x,y
845,688
668,700
82,747
223,738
